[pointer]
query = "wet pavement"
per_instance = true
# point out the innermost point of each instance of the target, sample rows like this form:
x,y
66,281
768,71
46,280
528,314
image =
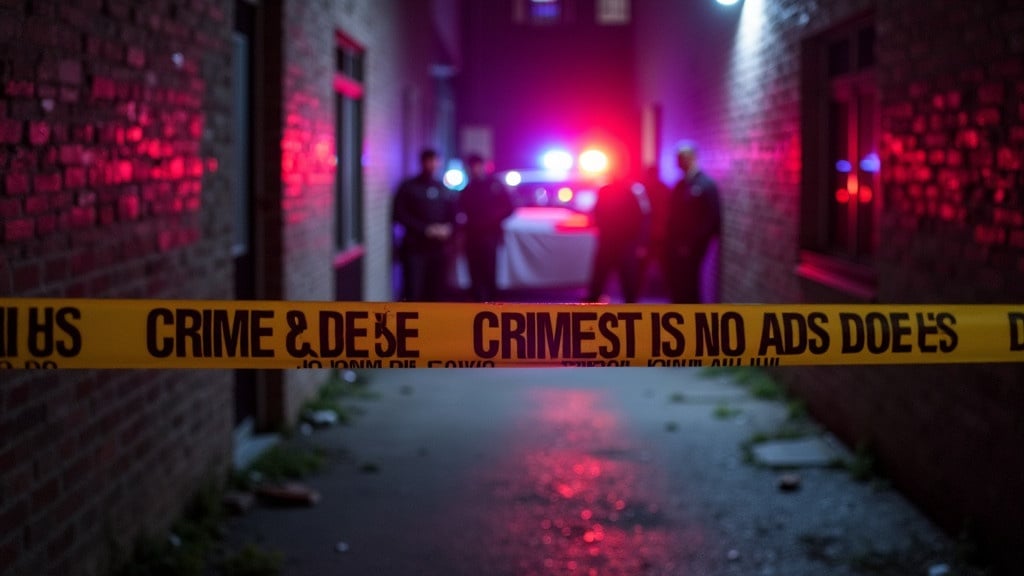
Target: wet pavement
x,y
580,471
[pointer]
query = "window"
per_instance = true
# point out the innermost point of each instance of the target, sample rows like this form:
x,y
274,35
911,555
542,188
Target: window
x,y
241,150
853,150
612,12
348,88
545,11
541,12
841,195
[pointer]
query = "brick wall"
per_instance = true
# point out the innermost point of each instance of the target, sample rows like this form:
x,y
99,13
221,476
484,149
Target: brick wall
x,y
113,132
307,145
950,80
398,37
954,128
953,233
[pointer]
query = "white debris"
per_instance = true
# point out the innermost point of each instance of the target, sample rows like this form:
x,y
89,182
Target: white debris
x,y
322,418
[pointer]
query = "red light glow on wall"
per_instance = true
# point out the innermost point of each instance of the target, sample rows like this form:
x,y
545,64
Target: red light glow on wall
x,y
109,151
308,160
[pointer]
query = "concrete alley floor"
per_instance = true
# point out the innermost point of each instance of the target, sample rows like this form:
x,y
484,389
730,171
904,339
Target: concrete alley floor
x,y
580,471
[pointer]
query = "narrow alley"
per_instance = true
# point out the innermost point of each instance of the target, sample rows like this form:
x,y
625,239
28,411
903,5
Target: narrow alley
x,y
610,472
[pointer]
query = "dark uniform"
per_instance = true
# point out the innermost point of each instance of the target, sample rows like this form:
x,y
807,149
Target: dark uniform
x,y
658,197
485,204
620,215
420,202
694,219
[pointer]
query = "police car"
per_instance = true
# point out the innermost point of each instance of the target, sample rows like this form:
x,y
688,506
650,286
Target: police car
x,y
561,181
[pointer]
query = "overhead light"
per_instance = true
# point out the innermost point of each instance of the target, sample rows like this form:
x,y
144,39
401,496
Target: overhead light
x,y
727,2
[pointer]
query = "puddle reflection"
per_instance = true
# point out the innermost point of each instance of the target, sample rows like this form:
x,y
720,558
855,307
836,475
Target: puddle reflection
x,y
574,495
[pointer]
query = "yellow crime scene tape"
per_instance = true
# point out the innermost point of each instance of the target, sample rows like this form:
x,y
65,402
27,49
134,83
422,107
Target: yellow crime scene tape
x,y
44,333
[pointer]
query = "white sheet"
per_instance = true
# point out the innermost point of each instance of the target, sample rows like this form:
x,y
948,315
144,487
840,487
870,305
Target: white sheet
x,y
538,255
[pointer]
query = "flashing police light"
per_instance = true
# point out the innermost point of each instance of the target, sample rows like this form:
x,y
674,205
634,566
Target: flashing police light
x,y
871,163
593,161
455,179
556,160
513,178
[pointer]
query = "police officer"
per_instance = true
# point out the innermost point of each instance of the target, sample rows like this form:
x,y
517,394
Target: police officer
x,y
485,204
426,210
621,217
694,219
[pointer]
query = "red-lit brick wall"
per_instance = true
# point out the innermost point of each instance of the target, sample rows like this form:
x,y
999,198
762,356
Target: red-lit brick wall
x,y
100,132
399,42
953,125
951,84
113,140
307,146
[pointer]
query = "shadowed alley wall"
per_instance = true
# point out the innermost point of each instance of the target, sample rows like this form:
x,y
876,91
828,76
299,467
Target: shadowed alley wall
x,y
117,179
113,148
949,79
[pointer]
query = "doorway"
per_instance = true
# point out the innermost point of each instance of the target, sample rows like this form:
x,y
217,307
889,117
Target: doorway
x,y
243,195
